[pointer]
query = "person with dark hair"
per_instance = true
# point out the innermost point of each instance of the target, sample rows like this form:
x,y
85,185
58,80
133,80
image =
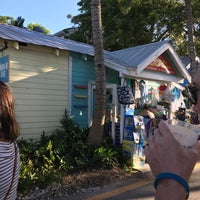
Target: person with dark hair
x,y
9,152
170,162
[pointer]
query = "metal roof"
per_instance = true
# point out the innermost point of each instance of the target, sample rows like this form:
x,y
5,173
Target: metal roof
x,y
13,33
9,32
134,56
122,60
130,57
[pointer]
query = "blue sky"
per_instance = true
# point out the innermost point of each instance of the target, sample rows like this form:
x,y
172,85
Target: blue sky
x,y
49,13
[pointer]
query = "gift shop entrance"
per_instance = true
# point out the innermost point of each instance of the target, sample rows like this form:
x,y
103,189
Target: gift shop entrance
x,y
112,127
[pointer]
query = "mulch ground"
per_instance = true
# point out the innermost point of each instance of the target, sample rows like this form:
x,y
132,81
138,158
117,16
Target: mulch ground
x,y
80,183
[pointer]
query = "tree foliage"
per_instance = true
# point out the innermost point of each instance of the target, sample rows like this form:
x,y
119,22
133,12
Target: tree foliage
x,y
38,28
19,22
6,20
128,23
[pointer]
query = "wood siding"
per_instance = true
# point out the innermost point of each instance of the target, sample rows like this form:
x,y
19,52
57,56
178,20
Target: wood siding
x,y
82,73
39,80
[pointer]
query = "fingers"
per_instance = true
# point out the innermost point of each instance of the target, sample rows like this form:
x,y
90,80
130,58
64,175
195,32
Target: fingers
x,y
166,132
164,128
161,135
156,138
149,145
197,146
196,149
159,139
165,153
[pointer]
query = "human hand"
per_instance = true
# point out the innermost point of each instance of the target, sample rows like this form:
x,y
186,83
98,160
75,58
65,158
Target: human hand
x,y
165,154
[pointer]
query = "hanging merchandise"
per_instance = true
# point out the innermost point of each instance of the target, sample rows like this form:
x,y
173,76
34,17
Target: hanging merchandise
x,y
126,94
143,92
162,88
130,109
163,92
139,142
180,114
166,96
135,85
155,97
176,93
194,118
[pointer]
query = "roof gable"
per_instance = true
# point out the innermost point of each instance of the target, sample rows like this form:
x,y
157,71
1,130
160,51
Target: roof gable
x,y
134,56
138,58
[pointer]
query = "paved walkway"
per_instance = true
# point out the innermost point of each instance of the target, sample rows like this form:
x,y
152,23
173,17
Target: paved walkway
x,y
116,189
141,189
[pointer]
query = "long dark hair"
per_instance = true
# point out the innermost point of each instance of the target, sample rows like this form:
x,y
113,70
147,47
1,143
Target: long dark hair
x,y
9,128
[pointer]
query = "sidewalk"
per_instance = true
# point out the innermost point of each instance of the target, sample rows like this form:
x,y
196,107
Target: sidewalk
x,y
136,181
143,169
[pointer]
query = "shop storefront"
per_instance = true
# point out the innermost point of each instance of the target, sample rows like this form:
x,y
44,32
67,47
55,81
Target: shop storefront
x,y
162,98
154,79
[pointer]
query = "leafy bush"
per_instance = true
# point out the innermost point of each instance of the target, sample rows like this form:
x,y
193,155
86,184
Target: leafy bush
x,y
106,157
64,151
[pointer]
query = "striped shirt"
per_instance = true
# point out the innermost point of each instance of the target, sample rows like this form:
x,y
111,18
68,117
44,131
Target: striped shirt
x,y
7,158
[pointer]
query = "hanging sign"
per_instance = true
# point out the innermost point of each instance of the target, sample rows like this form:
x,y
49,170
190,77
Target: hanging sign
x,y
161,64
4,67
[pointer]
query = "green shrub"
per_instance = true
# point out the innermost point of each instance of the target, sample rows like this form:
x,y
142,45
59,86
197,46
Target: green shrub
x,y
106,157
64,151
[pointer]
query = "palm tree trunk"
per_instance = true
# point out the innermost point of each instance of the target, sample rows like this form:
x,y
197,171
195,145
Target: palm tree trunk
x,y
191,47
97,130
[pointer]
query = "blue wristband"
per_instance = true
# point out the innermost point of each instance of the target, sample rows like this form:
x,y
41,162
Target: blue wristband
x,y
175,177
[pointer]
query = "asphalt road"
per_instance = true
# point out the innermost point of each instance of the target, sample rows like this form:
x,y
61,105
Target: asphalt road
x,y
140,190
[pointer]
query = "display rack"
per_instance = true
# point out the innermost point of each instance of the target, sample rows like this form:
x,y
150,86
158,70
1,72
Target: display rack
x,y
129,126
